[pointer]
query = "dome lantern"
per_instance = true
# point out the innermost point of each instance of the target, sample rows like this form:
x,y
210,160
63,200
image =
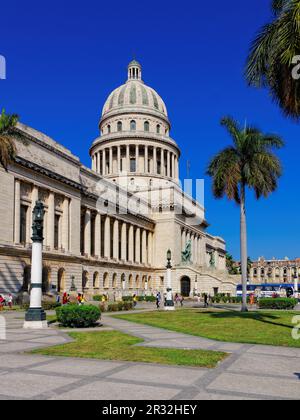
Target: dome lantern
x,y
134,70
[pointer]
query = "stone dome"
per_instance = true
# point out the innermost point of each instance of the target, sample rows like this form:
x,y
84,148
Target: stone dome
x,y
135,95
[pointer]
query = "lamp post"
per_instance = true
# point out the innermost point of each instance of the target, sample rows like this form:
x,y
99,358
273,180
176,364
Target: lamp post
x,y
296,283
169,303
35,317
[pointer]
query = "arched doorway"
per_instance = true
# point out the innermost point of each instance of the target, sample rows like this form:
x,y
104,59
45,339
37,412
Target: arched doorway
x,y
85,281
61,286
185,285
46,279
96,281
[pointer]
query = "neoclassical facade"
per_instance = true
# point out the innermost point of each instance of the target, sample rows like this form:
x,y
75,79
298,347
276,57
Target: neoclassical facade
x,y
274,271
108,228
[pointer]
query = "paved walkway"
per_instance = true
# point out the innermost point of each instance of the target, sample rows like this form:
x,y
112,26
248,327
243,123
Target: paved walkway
x,y
251,372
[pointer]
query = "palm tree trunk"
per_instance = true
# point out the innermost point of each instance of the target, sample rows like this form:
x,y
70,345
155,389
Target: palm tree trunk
x,y
244,255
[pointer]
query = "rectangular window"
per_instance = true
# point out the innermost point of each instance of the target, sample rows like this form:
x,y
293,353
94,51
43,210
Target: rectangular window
x,y
56,231
23,224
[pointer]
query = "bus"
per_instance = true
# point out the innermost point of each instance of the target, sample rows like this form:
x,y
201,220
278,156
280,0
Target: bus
x,y
266,290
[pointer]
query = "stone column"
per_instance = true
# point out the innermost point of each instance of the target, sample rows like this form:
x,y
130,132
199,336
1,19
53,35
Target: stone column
x,y
150,248
119,159
138,245
130,244
168,164
146,160
98,235
127,158
50,220
111,161
144,246
155,160
107,237
124,242
137,159
116,240
183,240
173,165
196,250
87,232
65,225
103,162
176,168
17,210
162,161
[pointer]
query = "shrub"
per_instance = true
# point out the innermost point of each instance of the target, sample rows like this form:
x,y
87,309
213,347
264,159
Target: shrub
x,y
127,298
277,303
150,298
76,316
97,298
46,305
127,306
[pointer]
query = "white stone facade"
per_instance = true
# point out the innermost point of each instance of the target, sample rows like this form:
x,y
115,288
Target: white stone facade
x,y
90,240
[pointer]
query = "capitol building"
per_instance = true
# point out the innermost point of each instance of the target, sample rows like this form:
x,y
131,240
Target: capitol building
x,y
108,228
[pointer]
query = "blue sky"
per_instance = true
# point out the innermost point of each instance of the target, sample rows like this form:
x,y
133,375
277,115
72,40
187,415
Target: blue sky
x,y
64,58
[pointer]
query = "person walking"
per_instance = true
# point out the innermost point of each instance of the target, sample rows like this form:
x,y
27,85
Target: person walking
x,y
65,299
205,300
134,300
158,299
10,301
2,301
181,301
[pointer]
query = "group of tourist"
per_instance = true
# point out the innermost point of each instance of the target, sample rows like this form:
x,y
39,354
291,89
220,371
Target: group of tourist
x,y
6,301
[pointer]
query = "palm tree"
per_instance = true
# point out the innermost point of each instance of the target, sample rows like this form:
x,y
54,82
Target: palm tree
x,y
274,54
248,163
231,264
7,135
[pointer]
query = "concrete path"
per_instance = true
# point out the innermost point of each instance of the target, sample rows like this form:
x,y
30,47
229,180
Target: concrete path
x,y
251,372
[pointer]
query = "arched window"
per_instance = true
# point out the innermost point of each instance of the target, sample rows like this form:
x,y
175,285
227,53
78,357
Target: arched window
x,y
146,126
108,129
132,125
106,281
158,129
120,127
114,281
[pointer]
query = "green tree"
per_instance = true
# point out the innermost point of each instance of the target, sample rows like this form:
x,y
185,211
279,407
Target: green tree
x,y
274,54
231,264
248,163
7,135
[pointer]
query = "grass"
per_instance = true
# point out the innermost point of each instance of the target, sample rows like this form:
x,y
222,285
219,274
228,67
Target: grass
x,y
267,327
113,345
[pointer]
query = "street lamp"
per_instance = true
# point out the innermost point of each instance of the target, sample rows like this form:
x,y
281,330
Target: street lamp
x,y
169,303
35,317
296,283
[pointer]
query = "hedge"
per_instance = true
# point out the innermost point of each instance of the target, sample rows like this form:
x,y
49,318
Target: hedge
x,y
277,303
46,305
78,316
120,306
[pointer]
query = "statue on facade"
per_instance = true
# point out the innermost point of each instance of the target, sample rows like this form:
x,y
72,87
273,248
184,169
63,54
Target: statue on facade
x,y
212,261
186,255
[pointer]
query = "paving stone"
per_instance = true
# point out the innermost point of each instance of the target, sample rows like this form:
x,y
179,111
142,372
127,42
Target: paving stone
x,y
117,391
276,351
28,385
206,396
271,365
72,366
258,385
14,361
160,375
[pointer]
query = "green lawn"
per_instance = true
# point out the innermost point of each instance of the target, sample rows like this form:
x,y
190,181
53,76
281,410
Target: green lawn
x,y
113,345
268,327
